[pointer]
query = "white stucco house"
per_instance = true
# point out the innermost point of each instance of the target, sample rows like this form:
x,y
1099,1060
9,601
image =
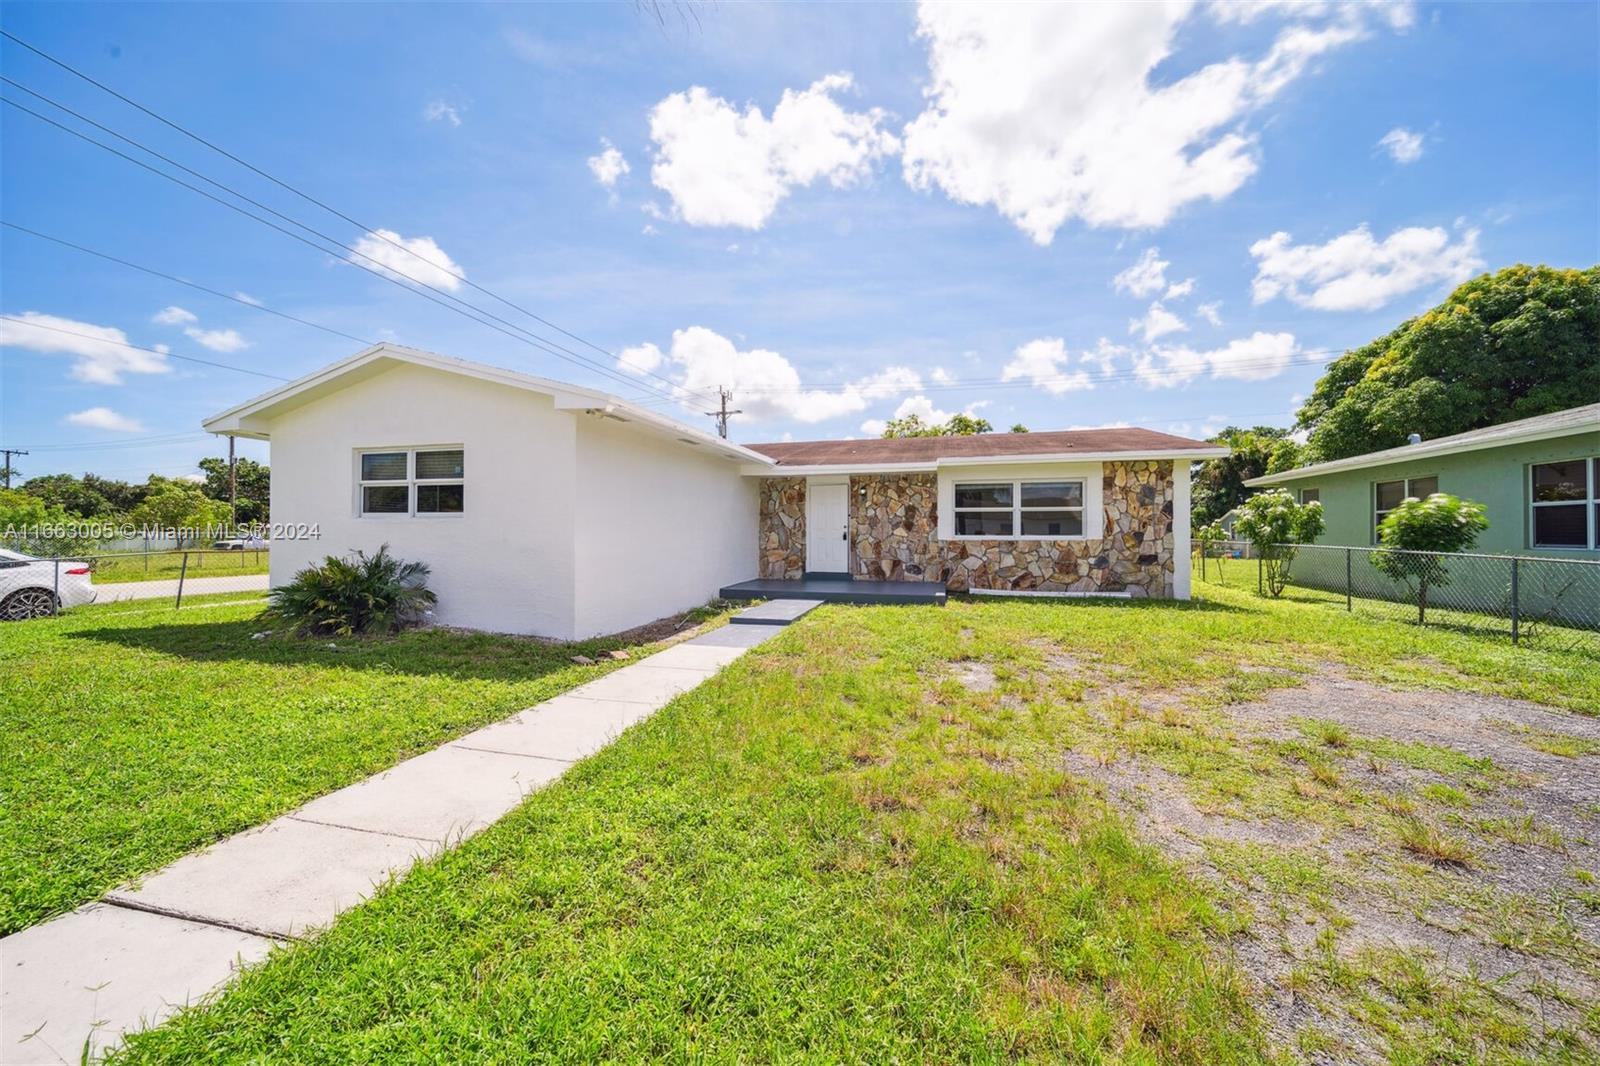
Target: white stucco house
x,y
551,509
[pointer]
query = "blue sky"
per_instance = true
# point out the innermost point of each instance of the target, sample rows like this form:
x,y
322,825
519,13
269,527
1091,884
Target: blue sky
x,y
1161,216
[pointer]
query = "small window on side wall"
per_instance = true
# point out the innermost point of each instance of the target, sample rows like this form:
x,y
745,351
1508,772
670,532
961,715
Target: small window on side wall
x,y
413,481
1387,495
1564,504
1310,495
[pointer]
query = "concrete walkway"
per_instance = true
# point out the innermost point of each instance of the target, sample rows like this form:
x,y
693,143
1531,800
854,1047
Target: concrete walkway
x,y
85,978
166,589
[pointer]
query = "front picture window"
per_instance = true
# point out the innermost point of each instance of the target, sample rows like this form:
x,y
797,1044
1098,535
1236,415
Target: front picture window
x,y
1564,514
1048,510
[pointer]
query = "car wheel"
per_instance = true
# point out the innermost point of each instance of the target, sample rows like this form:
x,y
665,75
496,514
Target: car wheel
x,y
27,603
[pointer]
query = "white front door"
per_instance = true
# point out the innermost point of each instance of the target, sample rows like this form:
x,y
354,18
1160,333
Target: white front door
x,y
828,528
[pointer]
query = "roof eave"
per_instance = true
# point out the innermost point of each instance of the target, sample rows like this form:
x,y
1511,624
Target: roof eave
x,y
1014,459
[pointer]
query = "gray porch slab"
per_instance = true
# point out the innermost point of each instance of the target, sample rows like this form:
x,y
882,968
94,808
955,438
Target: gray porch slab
x,y
281,880
101,971
774,612
565,729
642,683
446,795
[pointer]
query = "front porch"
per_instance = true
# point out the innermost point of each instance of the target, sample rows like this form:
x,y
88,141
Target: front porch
x,y
837,590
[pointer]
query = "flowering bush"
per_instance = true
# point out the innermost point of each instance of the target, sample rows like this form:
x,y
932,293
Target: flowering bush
x,y
1274,523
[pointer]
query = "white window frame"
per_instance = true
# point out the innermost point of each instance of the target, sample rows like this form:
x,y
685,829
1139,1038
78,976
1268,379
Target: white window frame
x,y
411,481
1406,494
1590,504
1017,510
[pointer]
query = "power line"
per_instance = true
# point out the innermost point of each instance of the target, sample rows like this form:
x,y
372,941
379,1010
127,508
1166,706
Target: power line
x,y
30,323
158,440
383,270
371,230
182,281
722,414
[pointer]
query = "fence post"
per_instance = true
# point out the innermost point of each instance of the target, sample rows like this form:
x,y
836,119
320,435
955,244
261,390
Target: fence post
x,y
1516,614
1349,587
1260,562
183,571
55,590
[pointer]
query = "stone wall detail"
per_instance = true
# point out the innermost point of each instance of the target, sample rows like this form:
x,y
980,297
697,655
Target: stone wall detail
x,y
1134,553
894,537
894,527
781,528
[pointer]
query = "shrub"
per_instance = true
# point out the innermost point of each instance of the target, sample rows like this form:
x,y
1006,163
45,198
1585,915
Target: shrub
x,y
1273,524
1418,532
365,594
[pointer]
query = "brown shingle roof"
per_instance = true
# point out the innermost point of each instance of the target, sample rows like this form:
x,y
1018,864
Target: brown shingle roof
x,y
986,445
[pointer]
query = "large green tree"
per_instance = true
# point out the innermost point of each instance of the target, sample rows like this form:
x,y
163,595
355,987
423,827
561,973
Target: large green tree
x,y
1218,484
1521,342
958,426
255,486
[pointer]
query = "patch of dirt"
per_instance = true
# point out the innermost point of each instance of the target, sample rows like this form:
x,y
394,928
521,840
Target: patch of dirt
x,y
1558,793
974,675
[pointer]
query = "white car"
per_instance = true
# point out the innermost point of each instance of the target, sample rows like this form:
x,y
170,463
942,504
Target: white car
x,y
29,587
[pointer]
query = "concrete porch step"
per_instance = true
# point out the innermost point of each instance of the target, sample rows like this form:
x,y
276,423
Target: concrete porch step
x,y
773,612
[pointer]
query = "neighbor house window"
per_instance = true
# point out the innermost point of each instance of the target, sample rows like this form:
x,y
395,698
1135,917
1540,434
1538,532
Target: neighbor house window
x,y
1048,510
1566,504
412,481
1387,495
1310,495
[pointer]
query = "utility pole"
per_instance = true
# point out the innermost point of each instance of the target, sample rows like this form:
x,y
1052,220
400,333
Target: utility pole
x,y
233,486
722,412
9,452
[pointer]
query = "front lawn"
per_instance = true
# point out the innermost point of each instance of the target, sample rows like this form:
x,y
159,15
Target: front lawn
x,y
134,733
1001,830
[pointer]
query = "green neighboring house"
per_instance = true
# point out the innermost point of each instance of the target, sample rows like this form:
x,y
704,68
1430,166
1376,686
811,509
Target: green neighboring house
x,y
1538,479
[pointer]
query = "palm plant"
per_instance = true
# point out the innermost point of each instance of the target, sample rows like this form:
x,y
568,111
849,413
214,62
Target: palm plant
x,y
361,594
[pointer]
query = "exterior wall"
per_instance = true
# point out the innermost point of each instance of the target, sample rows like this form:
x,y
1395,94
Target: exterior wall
x,y
660,526
894,528
506,564
1498,478
896,534
781,528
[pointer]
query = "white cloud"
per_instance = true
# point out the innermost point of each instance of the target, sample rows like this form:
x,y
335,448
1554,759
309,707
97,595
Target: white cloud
x,y
941,376
1049,112
1402,144
218,340
609,165
247,298
1253,358
1179,289
1146,277
174,316
1157,322
439,110
724,167
1210,312
99,355
1044,362
923,408
1106,356
1353,272
433,267
104,418
765,385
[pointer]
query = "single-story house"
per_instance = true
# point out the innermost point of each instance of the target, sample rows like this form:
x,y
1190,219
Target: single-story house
x,y
1537,478
551,509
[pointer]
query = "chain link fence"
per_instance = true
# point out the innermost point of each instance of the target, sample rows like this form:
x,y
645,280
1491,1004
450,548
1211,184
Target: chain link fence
x,y
36,587
1546,601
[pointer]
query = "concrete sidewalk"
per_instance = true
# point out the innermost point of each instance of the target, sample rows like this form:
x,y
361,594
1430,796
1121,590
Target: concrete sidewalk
x,y
87,977
167,589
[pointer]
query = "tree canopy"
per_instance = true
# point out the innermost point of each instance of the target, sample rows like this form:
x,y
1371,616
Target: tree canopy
x,y
958,426
1218,485
1521,342
255,486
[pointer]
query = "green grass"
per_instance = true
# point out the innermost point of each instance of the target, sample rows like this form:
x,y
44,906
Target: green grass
x,y
166,566
135,733
841,850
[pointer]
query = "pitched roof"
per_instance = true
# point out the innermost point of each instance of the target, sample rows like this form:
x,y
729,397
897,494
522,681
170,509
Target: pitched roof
x,y
1572,421
253,417
1063,444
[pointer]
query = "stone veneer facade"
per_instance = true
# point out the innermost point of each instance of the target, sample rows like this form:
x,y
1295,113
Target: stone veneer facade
x,y
894,537
782,528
